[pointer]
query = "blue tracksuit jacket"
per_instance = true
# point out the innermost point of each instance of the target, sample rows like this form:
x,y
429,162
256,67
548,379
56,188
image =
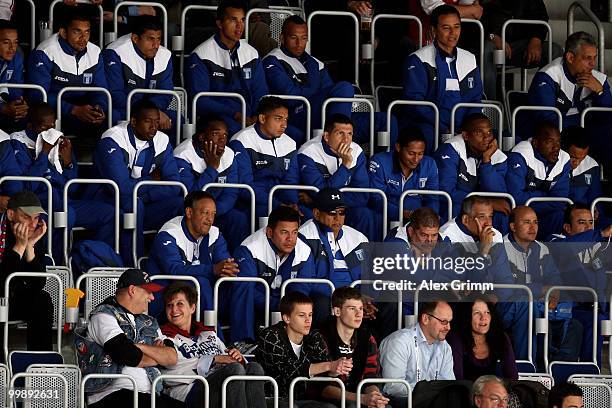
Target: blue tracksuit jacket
x,y
11,72
8,166
585,182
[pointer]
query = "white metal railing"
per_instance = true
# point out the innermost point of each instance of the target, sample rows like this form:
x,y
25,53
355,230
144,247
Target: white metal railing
x,y
27,86
548,200
247,378
598,25
109,114
317,379
47,387
44,36
306,102
532,108
191,128
583,114
353,100
449,201
493,106
597,201
32,7
262,222
178,42
240,186
353,190
505,196
175,94
141,3
218,283
481,41
83,403
416,103
529,312
101,273
206,402
271,11
367,381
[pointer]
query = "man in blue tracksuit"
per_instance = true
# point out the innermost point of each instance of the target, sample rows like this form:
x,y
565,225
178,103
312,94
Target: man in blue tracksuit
x,y
582,256
225,63
539,168
338,249
204,159
276,254
13,108
531,264
470,162
405,168
290,70
334,160
138,60
137,151
571,84
190,245
67,58
443,74
266,156
56,161
472,234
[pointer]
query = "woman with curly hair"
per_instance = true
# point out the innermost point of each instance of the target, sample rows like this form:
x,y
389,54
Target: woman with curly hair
x,y
479,344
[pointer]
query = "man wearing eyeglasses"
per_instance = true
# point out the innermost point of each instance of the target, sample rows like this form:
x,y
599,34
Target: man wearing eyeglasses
x,y
489,391
419,352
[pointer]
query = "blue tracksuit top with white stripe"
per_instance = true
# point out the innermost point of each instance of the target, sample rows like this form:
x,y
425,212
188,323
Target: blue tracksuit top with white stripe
x,y
336,259
264,163
55,65
585,181
212,67
386,175
554,86
530,175
24,145
11,72
8,166
117,158
176,252
127,69
257,257
195,173
461,172
321,168
432,75
534,267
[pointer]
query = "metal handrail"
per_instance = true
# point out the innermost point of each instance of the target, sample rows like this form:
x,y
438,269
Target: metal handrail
x,y
6,306
373,36
237,185
27,86
533,108
241,279
505,196
372,191
503,39
287,187
179,106
194,104
571,10
109,115
264,11
352,100
101,16
63,379
529,313
400,311
181,45
141,3
88,377
191,279
47,183
480,105
383,381
449,201
131,219
181,377
63,216
583,114
317,379
549,200
416,103
481,41
32,24
305,280
594,204
247,378
544,321
308,108
92,274
355,34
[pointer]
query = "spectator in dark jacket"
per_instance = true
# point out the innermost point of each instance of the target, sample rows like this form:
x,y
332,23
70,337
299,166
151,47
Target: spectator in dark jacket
x,y
345,338
288,350
20,233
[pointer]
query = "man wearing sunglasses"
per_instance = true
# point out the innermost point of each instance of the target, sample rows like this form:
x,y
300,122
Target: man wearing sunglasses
x,y
419,352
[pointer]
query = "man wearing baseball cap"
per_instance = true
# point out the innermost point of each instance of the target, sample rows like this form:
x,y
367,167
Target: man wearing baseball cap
x,y
22,251
122,338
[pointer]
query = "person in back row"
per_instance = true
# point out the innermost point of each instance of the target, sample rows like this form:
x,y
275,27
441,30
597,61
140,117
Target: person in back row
x,y
13,107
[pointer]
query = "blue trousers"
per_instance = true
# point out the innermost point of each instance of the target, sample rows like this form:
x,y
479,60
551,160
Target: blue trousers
x,y
247,305
585,316
235,227
515,318
367,221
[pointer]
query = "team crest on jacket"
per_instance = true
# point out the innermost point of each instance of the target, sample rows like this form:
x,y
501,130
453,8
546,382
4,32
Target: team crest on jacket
x,y
9,74
422,182
152,83
247,73
359,254
87,78
470,82
287,162
222,179
587,179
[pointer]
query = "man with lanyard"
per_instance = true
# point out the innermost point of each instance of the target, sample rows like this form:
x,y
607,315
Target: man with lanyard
x,y
136,151
13,108
419,352
138,60
470,162
443,74
225,63
191,245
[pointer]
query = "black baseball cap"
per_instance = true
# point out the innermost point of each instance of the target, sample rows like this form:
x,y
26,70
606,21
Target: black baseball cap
x,y
27,202
137,277
329,199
